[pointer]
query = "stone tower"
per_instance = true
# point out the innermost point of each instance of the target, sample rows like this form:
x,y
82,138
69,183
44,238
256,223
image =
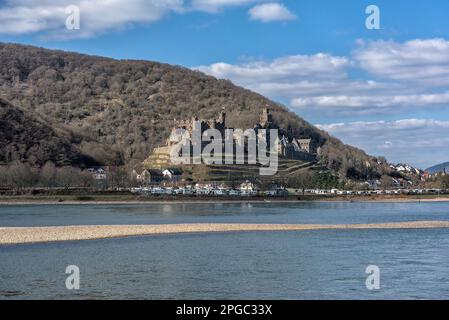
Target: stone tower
x,y
222,118
265,118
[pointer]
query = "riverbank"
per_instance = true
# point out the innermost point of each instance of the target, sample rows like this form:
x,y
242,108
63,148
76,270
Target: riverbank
x,y
131,199
22,235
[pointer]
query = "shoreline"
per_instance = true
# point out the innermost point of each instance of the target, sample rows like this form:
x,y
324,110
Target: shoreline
x,y
15,202
29,235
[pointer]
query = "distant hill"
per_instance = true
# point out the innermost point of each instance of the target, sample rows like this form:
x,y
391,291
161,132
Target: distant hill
x,y
438,168
27,138
120,109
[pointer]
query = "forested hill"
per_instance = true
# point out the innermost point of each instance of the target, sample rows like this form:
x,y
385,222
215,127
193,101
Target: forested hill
x,y
438,168
24,137
120,109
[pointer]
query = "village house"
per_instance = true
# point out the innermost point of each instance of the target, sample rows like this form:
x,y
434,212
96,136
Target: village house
x,y
172,175
425,176
148,176
373,184
98,173
248,188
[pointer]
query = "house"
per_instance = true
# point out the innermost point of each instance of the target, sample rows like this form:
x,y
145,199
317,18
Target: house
x,y
248,188
425,176
141,177
401,183
173,175
98,173
150,176
138,176
304,144
278,192
283,146
373,184
298,149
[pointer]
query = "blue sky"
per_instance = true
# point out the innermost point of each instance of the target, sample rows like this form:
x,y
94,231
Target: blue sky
x,y
386,91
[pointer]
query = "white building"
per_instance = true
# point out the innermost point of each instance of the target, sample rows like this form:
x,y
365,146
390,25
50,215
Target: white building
x,y
98,173
172,174
248,187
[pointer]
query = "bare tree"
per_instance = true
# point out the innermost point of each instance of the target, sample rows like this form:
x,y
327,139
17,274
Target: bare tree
x,y
86,180
21,175
48,175
4,176
386,182
68,177
119,177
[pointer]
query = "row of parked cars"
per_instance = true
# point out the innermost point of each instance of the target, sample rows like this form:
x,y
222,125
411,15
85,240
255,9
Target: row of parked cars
x,y
377,192
159,191
186,191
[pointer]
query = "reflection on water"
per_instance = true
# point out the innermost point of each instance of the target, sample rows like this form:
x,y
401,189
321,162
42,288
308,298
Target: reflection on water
x,y
308,212
326,264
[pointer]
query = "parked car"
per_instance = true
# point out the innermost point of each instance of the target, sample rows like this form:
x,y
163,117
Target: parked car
x,y
219,192
178,191
270,193
234,192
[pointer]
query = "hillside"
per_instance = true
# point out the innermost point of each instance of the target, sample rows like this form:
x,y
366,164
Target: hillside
x,y
120,110
24,137
438,168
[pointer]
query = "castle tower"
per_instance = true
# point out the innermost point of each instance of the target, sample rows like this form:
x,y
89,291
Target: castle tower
x,y
222,118
265,118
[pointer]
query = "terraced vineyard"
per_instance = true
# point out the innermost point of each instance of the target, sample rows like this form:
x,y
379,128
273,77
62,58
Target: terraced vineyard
x,y
228,173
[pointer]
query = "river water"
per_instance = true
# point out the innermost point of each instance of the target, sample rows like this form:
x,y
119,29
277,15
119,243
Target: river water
x,y
324,264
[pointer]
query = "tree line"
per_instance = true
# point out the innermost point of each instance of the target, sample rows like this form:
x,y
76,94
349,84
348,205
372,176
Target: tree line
x,y
20,176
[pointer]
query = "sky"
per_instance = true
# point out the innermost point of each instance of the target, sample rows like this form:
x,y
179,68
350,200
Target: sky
x,y
384,90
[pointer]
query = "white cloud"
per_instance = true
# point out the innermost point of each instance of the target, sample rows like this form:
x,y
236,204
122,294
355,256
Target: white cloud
x,y
400,78
282,69
422,141
418,100
284,77
217,5
26,16
48,16
270,12
405,124
420,61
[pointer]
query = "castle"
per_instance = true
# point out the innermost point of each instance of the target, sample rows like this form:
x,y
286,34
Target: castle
x,y
290,148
